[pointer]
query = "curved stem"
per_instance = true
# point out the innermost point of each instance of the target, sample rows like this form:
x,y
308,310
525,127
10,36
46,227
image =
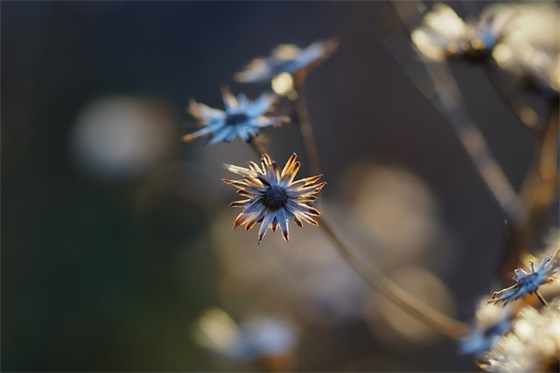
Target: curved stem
x,y
449,101
304,125
541,298
257,147
436,320
523,112
539,189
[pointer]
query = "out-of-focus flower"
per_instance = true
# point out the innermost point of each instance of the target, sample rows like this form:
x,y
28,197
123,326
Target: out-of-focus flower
x,y
242,118
273,196
532,47
491,323
533,344
286,58
538,67
116,138
257,337
528,282
443,34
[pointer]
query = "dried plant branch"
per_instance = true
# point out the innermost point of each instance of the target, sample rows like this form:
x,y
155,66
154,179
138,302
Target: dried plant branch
x,y
304,125
257,147
523,112
436,320
444,93
539,189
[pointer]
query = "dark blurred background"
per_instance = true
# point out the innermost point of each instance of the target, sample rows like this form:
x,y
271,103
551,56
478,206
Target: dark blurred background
x,y
113,230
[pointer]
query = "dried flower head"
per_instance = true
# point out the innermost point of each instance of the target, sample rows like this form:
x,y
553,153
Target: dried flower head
x,y
491,323
528,282
286,58
531,49
242,118
257,337
273,197
533,66
533,344
444,34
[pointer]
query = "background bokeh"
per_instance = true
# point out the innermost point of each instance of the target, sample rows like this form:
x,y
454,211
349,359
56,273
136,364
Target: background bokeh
x,y
116,237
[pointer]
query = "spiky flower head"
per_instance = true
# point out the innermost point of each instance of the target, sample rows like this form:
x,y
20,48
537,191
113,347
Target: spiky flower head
x,y
273,197
286,58
528,282
533,344
443,34
531,51
242,117
490,324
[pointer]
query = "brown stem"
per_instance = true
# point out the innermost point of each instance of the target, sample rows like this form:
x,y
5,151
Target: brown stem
x,y
257,147
538,191
304,125
523,112
436,320
541,298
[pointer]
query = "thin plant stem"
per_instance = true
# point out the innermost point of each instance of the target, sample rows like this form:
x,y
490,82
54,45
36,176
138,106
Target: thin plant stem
x,y
475,144
438,321
539,189
523,112
257,147
444,93
304,125
541,298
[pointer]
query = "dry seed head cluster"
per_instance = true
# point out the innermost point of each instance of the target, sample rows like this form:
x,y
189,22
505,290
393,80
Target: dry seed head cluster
x,y
273,197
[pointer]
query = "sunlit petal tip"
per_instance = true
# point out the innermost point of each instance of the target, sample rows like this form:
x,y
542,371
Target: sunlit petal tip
x,y
188,137
250,224
239,203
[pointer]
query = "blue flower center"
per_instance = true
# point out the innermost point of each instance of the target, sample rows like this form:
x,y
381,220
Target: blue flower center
x,y
529,280
274,197
233,119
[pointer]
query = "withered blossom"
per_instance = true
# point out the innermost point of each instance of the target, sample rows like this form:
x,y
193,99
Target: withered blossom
x,y
443,34
528,282
491,323
285,58
242,118
533,345
531,50
273,197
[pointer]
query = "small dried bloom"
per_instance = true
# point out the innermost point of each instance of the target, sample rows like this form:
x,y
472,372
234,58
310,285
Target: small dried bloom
x,y
533,344
491,323
285,58
531,49
242,118
273,197
257,337
534,66
444,34
528,282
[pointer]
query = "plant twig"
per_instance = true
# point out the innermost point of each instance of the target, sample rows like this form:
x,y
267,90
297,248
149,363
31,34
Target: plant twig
x,y
523,112
449,101
444,324
257,147
541,298
436,320
304,125
539,189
